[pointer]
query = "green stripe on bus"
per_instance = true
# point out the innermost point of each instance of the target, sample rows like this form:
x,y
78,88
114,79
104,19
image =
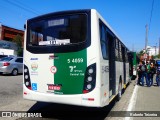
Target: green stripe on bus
x,y
70,72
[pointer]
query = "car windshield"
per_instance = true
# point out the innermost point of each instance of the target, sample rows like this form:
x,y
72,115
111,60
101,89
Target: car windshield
x,y
6,59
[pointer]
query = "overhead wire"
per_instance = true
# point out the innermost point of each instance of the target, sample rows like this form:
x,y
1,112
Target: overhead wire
x,y
28,7
22,7
150,20
19,4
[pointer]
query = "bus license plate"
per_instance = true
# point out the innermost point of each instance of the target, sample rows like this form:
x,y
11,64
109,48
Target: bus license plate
x,y
54,87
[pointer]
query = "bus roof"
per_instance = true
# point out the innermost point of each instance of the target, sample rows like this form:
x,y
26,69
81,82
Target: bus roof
x,y
60,12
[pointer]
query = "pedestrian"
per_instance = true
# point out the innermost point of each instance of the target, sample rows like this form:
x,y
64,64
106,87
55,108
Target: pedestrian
x,y
151,74
148,72
144,74
139,73
158,74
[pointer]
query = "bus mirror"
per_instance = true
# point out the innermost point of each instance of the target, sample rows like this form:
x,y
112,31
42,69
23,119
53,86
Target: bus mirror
x,y
24,26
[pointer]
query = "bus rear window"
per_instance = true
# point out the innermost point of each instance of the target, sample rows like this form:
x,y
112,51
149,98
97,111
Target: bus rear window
x,y
58,31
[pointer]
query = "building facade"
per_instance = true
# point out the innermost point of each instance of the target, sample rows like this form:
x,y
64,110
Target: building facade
x,y
152,50
8,33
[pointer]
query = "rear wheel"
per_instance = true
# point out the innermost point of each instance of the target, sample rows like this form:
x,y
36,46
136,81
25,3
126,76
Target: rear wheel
x,y
14,72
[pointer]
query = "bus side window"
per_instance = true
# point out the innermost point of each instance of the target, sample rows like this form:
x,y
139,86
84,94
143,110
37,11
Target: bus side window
x,y
103,40
116,50
120,51
126,56
104,51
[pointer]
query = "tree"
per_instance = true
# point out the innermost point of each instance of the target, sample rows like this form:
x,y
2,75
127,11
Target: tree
x,y
156,56
141,53
18,40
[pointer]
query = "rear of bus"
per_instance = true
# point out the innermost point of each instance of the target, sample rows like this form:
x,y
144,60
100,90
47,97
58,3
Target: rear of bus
x,y
59,63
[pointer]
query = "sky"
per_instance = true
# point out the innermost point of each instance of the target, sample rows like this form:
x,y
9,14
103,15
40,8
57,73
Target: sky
x,y
127,18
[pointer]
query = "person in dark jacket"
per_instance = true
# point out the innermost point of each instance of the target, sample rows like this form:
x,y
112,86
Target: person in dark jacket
x,y
144,74
139,73
158,73
152,72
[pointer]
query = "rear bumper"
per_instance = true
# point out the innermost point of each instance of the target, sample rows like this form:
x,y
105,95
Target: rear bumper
x,y
5,70
80,99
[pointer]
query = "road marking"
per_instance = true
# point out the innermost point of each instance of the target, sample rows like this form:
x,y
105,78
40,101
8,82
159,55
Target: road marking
x,y
132,102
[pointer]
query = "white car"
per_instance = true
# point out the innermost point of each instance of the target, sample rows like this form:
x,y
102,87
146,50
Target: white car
x,y
11,65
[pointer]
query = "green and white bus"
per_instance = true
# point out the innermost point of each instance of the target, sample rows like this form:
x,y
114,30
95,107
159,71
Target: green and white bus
x,y
133,60
73,57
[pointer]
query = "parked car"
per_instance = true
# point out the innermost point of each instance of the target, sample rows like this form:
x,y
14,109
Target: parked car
x,y
1,56
11,65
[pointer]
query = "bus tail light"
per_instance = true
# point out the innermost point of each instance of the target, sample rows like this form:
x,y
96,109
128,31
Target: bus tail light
x,y
26,76
90,78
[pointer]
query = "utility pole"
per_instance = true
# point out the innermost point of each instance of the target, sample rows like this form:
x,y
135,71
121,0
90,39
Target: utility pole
x,y
133,47
155,49
146,40
159,46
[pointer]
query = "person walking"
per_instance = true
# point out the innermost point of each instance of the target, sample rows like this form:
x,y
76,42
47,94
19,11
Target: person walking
x,y
139,73
152,72
144,74
148,72
158,74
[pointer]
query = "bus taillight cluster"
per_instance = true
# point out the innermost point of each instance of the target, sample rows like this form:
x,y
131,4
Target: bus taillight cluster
x,y
27,81
90,78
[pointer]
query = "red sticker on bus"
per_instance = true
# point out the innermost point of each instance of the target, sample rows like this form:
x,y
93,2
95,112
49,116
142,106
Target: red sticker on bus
x,y
53,69
54,87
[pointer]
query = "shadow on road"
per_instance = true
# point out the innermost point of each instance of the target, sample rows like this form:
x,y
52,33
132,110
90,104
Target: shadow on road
x,y
10,75
68,112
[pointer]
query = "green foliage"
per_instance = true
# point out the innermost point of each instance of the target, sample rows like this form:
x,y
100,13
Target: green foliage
x,y
156,56
20,52
139,54
18,40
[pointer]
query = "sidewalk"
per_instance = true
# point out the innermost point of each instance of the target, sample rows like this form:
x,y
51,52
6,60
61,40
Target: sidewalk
x,y
147,99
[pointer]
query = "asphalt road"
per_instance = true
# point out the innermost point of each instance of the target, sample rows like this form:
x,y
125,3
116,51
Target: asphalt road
x,y
10,89
11,99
